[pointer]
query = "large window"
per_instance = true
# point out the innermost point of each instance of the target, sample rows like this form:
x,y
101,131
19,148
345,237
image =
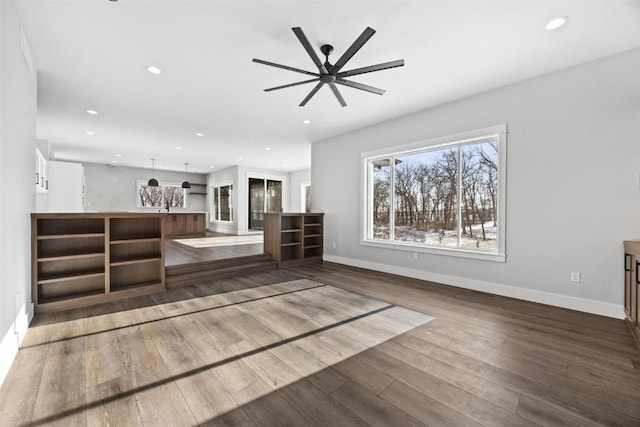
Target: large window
x,y
162,196
444,196
222,207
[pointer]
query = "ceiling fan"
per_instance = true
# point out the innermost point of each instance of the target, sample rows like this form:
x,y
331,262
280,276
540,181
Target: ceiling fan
x,y
331,74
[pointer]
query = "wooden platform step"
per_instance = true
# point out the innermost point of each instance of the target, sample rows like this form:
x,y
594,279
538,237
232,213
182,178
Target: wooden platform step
x,y
200,272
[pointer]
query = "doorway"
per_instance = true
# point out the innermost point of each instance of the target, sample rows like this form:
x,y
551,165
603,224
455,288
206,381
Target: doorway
x,y
265,195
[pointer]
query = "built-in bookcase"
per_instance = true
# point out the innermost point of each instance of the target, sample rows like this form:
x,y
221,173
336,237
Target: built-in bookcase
x,y
291,237
82,259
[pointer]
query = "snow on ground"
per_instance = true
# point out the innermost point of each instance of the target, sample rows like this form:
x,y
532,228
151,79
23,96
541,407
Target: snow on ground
x,y
433,237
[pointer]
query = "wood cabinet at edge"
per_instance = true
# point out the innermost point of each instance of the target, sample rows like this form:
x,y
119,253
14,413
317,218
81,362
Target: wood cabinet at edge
x,y
188,223
632,286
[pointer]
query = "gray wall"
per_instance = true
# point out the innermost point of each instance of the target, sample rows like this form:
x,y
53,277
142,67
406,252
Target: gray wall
x,y
17,199
111,188
572,185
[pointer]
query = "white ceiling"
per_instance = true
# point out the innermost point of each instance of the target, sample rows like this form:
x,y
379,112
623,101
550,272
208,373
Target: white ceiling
x,y
93,54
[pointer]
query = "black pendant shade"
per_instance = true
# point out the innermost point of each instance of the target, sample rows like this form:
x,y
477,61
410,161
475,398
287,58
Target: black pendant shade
x,y
186,184
153,182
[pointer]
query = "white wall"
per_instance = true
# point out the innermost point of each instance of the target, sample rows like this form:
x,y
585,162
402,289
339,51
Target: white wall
x,y
296,179
111,188
17,169
573,191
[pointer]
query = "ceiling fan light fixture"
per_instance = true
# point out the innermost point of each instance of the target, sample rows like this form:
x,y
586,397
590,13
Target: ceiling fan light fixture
x,y
153,182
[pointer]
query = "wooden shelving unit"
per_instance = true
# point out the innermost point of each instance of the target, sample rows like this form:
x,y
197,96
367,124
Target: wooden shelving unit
x,y
293,237
200,189
81,259
632,286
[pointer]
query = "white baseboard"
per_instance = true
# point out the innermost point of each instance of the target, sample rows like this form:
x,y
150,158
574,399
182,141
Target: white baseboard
x,y
13,338
557,300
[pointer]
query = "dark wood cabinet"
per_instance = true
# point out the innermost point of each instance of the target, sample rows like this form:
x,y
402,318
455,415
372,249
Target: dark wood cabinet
x,y
632,286
89,258
182,224
291,237
194,223
175,225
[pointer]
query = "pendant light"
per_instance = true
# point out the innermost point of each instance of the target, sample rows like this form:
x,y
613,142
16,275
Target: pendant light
x,y
186,183
153,182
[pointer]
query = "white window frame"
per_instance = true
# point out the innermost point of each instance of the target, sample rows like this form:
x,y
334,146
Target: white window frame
x,y
499,132
215,187
303,195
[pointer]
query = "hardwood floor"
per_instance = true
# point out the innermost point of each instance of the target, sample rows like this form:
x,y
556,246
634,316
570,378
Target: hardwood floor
x,y
323,344
177,253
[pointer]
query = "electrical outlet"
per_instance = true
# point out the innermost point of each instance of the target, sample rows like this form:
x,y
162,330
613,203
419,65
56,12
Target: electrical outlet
x,y
333,244
575,276
415,255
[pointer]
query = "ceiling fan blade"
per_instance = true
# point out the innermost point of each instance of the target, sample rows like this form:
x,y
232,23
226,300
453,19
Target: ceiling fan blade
x,y
313,92
273,64
307,46
371,68
292,84
355,47
360,86
337,93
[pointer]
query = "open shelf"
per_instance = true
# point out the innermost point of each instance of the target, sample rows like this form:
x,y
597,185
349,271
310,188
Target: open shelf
x,y
290,244
80,259
70,236
70,287
129,261
135,240
134,229
69,227
66,297
52,248
151,284
290,237
71,257
70,277
128,274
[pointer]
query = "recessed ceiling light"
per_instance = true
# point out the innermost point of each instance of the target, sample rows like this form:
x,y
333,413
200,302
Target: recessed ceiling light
x,y
94,112
118,155
89,132
153,69
178,148
556,23
239,158
199,134
284,165
268,149
211,167
114,161
306,122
